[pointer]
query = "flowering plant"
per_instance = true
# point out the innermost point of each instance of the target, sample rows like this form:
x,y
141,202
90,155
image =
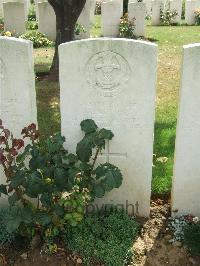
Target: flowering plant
x,y
197,16
126,27
168,16
60,183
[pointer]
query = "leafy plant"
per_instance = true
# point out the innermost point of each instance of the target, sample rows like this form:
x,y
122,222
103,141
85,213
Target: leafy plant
x,y
79,29
38,39
197,16
126,28
98,8
32,25
168,16
192,238
32,13
5,237
103,238
61,184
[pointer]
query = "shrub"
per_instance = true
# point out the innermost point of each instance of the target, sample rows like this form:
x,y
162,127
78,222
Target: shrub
x,y
5,237
183,10
168,16
103,238
38,39
60,183
32,25
197,16
32,13
98,8
79,29
126,28
192,238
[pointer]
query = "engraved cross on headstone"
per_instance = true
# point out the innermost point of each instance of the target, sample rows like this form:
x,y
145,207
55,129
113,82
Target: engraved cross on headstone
x,y
109,154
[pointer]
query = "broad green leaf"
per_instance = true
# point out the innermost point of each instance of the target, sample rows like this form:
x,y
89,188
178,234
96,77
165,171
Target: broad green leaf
x,y
43,218
99,191
84,149
106,134
109,181
3,189
13,199
88,126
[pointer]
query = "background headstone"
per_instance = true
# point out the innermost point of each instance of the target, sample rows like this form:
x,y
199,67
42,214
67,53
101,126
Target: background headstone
x,y
176,5
157,5
17,86
186,180
109,80
14,17
86,18
25,2
111,12
190,7
137,11
47,20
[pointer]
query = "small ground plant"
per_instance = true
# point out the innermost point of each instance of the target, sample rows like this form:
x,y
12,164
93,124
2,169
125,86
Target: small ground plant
x,y
168,16
197,16
60,184
103,238
6,237
192,238
38,39
126,28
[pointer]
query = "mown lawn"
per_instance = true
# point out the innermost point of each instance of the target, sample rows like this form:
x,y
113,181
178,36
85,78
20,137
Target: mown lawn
x,y
170,41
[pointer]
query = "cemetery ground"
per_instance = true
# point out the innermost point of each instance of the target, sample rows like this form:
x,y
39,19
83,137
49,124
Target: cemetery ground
x,y
152,247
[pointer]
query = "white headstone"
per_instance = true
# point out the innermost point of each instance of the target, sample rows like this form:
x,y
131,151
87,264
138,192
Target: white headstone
x,y
36,6
111,12
148,7
137,11
115,79
1,8
86,17
47,20
14,17
190,7
17,86
157,5
25,2
176,5
186,182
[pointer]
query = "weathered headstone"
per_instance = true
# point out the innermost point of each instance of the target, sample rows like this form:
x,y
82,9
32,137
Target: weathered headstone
x,y
137,12
17,86
176,5
25,2
111,12
47,20
86,17
186,180
157,5
109,80
190,7
14,17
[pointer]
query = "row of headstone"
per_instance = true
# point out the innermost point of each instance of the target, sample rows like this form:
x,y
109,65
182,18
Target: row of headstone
x,y
47,19
190,7
116,76
112,12
175,5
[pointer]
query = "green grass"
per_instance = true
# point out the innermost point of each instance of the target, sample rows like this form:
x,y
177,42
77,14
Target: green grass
x,y
170,41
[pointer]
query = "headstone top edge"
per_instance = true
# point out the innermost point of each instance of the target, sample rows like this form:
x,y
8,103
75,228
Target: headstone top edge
x,y
145,43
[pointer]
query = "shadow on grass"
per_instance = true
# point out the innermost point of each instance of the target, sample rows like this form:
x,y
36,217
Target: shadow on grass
x,y
164,143
48,104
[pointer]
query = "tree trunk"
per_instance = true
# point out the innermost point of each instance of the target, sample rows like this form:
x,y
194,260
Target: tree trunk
x,y
67,13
